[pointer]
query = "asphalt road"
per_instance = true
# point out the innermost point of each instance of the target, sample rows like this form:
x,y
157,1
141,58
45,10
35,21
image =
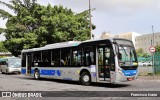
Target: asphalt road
x,y
145,70
14,82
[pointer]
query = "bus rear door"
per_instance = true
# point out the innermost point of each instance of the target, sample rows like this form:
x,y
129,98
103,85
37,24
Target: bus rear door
x,y
28,63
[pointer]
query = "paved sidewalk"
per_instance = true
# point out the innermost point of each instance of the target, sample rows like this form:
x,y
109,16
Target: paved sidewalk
x,y
149,77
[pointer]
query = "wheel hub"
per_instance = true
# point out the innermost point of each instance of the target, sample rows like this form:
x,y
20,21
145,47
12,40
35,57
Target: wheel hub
x,y
86,78
36,75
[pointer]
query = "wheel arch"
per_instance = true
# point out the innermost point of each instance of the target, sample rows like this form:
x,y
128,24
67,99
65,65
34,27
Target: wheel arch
x,y
85,70
36,69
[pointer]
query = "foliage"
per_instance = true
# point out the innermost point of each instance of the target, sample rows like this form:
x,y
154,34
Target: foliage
x,y
158,48
141,53
35,25
2,47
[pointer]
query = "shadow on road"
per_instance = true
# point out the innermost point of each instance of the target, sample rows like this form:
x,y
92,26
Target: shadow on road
x,y
15,73
108,85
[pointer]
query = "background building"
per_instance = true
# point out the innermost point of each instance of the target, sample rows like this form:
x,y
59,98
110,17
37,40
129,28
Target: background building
x,y
129,35
105,35
139,40
145,41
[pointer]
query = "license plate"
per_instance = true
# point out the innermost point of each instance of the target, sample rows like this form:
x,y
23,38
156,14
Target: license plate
x,y
129,79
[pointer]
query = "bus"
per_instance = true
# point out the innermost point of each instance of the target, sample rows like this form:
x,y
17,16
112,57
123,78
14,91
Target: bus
x,y
10,65
110,60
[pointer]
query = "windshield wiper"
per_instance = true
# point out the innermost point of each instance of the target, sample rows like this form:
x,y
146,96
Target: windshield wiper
x,y
124,50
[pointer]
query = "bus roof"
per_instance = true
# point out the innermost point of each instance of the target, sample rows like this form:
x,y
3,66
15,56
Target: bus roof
x,y
8,58
65,44
55,45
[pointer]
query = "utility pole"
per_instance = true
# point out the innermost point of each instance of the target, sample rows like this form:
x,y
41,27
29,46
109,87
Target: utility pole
x,y
153,67
153,34
90,19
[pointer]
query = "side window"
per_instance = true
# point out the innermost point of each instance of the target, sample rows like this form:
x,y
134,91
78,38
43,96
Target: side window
x,y
3,63
37,59
65,57
76,57
55,57
88,56
37,56
46,56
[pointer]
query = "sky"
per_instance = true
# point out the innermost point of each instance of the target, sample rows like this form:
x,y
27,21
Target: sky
x,y
114,16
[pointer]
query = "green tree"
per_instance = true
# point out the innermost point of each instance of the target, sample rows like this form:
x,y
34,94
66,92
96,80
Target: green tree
x,y
145,55
35,25
158,48
141,53
2,47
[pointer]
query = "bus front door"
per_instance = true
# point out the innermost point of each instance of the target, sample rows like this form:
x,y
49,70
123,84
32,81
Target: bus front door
x,y
105,64
28,63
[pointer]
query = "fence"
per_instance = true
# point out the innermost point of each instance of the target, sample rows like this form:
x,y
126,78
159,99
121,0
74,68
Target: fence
x,y
145,70
157,62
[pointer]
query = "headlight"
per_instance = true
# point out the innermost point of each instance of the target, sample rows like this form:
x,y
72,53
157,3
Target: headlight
x,y
120,71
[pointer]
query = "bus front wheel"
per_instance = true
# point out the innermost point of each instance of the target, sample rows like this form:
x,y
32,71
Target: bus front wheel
x,y
2,71
85,78
36,75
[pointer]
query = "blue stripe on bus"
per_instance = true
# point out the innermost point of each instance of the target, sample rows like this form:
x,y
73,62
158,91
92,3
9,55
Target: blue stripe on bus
x,y
50,72
129,72
45,72
32,71
23,71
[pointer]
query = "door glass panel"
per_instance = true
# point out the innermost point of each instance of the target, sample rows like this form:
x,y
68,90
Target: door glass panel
x,y
29,62
107,56
104,62
100,62
107,62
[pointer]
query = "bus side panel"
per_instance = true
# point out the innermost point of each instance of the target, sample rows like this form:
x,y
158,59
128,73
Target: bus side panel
x,y
23,70
58,73
64,73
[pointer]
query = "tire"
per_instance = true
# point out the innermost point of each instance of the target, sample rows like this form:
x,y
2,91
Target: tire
x,y
36,75
7,72
85,78
2,71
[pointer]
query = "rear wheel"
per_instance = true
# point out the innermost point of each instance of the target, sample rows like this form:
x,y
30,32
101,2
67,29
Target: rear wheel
x,y
2,71
85,78
36,75
6,71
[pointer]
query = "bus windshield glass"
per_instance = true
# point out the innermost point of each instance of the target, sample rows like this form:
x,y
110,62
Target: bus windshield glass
x,y
15,62
126,53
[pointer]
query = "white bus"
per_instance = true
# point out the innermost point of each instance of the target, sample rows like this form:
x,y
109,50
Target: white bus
x,y
10,65
107,61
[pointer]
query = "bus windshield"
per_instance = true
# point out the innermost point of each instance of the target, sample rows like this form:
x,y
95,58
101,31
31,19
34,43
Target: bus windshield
x,y
15,62
126,55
